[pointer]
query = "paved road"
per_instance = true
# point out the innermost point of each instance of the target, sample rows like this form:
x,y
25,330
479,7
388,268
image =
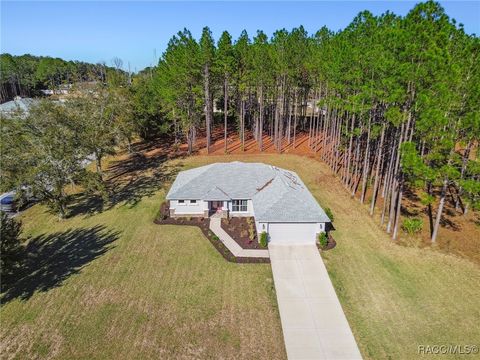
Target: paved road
x,y
313,322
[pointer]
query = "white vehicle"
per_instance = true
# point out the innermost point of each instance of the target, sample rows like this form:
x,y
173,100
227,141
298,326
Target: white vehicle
x,y
7,202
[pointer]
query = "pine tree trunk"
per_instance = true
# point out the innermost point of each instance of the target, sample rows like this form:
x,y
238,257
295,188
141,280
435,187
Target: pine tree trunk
x,y
98,163
394,188
465,157
242,124
388,182
260,125
366,164
225,112
377,172
440,210
349,158
295,118
399,208
208,110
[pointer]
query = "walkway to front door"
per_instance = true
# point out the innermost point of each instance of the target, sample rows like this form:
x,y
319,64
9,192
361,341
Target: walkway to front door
x,y
314,325
235,249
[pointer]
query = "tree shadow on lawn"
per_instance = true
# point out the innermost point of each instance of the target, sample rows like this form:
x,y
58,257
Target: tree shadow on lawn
x,y
128,181
49,259
139,176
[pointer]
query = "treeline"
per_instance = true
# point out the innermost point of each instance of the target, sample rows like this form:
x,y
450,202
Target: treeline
x,y
25,75
390,103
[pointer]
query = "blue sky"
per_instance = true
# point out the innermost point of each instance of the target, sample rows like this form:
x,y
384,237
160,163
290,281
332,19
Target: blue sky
x,y
98,31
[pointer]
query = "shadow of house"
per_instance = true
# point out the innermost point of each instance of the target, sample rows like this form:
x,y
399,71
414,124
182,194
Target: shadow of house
x,y
50,259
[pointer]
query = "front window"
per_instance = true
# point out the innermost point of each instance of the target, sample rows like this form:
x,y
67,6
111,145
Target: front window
x,y
239,205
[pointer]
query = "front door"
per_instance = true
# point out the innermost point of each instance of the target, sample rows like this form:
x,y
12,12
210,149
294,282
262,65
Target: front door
x,y
217,205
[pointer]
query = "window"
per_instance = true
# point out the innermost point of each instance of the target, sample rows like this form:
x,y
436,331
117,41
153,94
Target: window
x,y
181,202
193,201
239,205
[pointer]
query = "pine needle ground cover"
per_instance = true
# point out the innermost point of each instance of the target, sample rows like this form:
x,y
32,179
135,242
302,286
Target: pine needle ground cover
x,y
113,284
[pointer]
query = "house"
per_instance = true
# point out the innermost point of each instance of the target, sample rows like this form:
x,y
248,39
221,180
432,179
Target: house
x,y
18,105
279,201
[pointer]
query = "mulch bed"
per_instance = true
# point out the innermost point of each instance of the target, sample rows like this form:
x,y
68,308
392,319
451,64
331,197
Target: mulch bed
x,y
239,230
330,244
203,224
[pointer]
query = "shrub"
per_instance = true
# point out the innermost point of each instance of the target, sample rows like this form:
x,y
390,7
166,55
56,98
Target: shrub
x,y
251,232
216,238
10,242
323,239
329,213
263,239
412,226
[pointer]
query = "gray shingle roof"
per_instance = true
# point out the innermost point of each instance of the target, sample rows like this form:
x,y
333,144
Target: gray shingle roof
x,y
18,104
216,194
278,195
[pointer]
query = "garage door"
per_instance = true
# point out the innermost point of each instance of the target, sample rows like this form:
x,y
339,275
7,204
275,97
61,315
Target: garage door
x,y
290,233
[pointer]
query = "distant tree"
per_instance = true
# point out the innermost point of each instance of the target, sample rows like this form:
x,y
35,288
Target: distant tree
x,y
42,153
179,84
124,121
25,75
225,62
207,54
149,120
243,67
95,115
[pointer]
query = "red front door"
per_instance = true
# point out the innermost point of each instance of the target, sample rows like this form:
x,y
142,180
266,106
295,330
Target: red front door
x,y
217,205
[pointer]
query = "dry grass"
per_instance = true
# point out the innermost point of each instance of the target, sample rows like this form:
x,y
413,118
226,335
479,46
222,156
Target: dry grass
x,y
147,297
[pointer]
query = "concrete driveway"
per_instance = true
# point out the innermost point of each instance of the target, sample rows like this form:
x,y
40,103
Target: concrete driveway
x,y
313,322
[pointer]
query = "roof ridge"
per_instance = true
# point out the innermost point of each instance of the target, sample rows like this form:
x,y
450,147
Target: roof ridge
x,y
216,187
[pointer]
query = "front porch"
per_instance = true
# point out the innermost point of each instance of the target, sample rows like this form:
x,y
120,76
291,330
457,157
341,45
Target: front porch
x,y
218,209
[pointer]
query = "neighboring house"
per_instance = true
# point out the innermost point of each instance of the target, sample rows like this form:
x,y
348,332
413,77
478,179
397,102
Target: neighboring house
x,y
277,198
18,104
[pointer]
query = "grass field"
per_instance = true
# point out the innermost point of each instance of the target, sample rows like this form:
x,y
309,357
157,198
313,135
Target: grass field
x,y
113,284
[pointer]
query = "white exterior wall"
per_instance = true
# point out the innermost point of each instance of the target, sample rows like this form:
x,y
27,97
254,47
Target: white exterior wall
x,y
202,205
293,233
188,208
261,226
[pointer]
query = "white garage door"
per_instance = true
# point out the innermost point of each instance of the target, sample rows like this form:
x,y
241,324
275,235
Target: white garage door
x,y
292,233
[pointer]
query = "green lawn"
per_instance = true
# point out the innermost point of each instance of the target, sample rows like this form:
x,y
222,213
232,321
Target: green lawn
x,y
113,284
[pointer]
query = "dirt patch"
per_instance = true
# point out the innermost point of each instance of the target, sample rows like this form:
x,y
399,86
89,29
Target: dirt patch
x,y
242,230
203,224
